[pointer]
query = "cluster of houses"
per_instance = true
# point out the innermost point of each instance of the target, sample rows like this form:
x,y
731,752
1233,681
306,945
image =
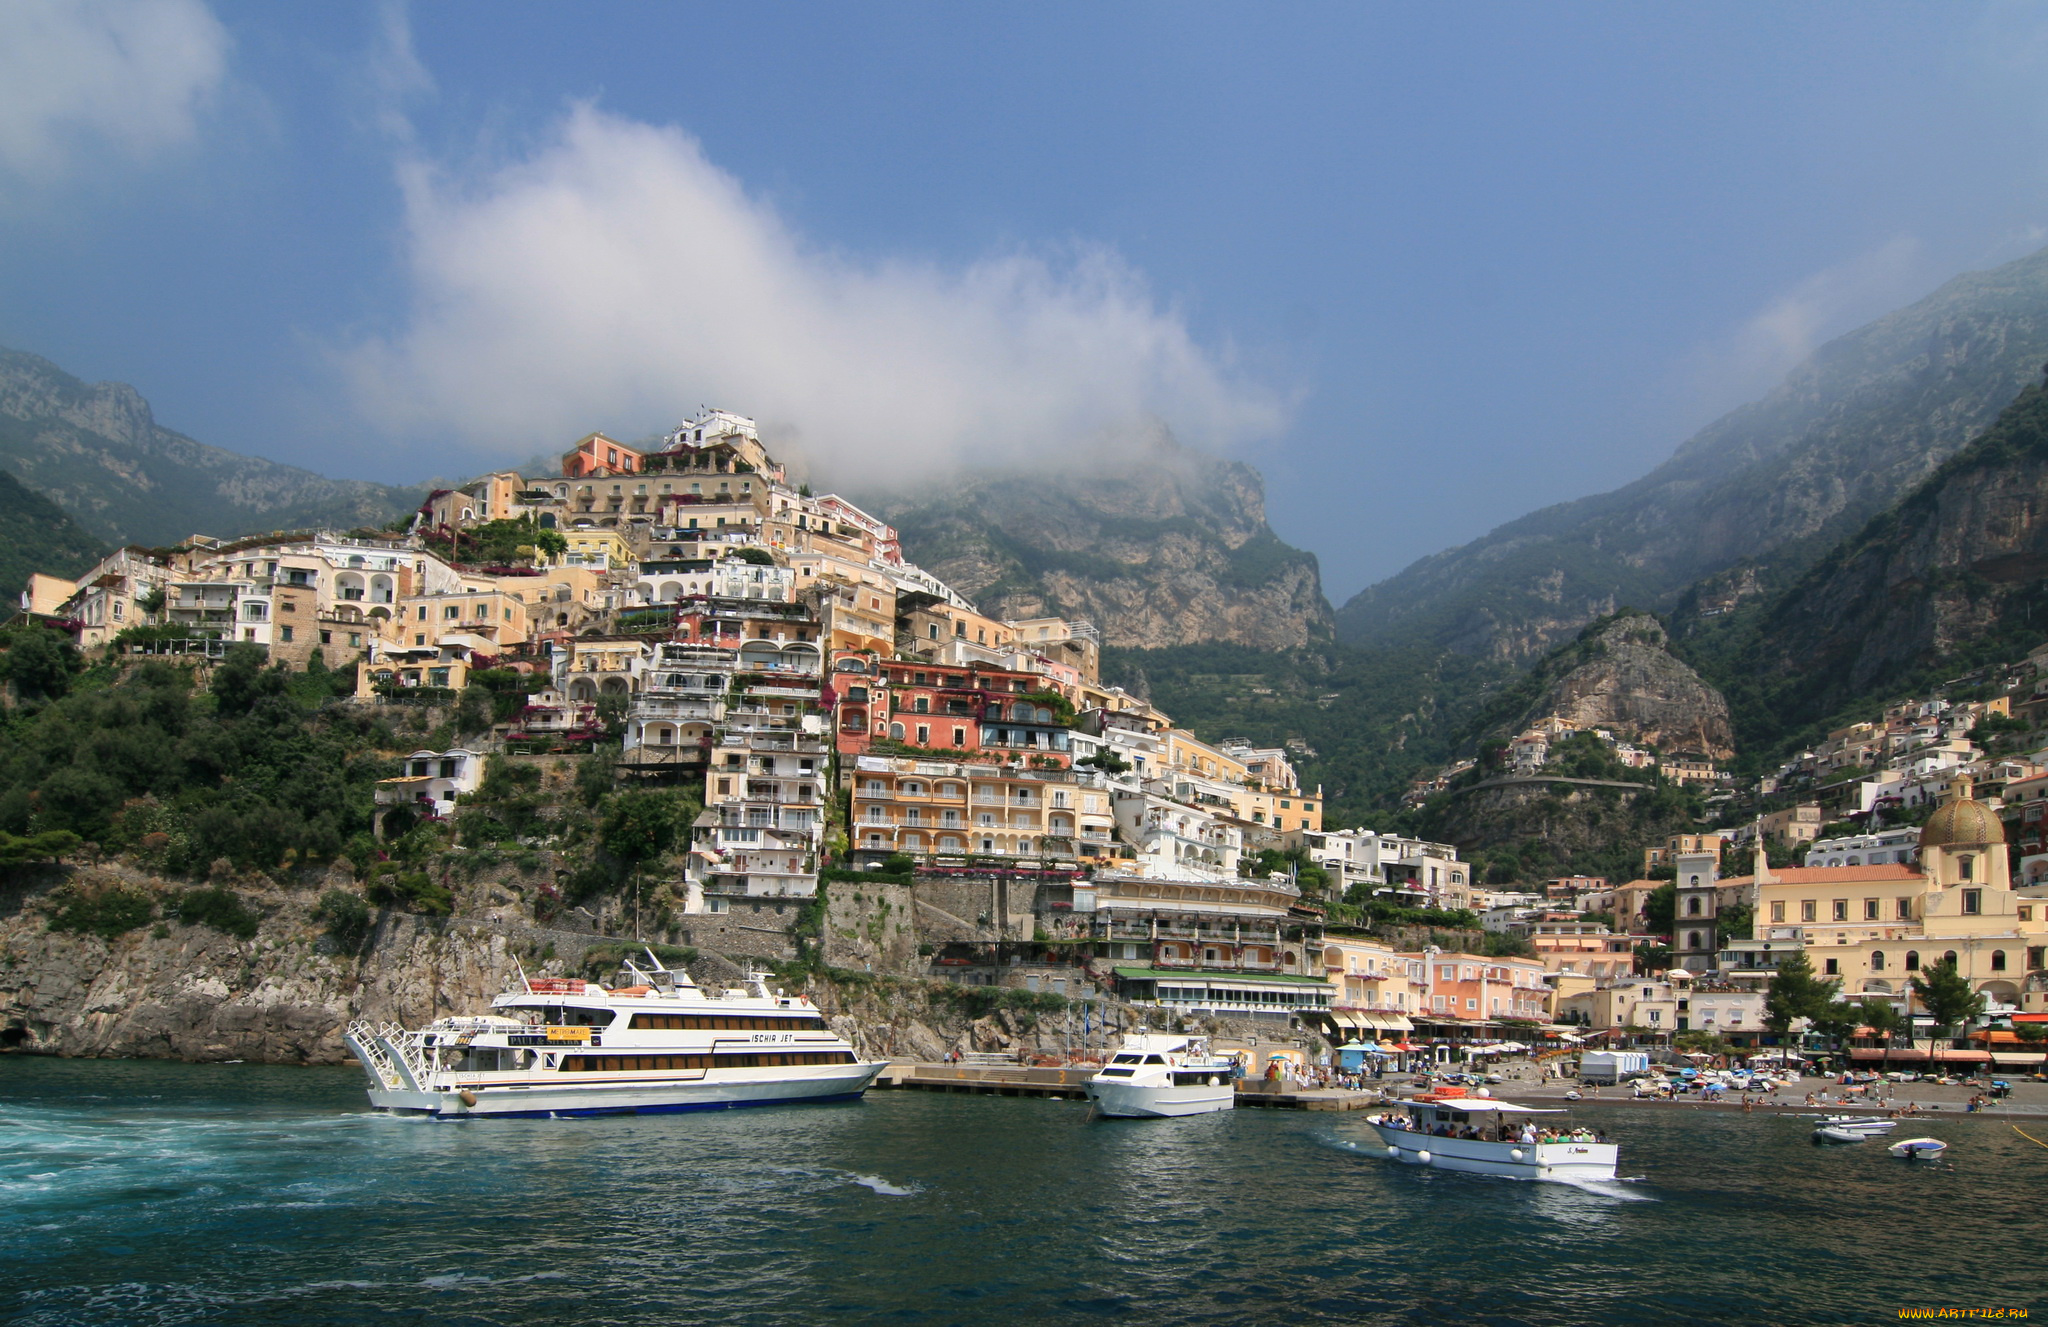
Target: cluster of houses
x,y
1528,753
775,649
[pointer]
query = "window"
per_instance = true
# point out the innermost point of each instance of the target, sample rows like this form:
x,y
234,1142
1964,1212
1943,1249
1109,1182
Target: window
x,y
1912,960
1834,967
959,737
1777,912
1973,902
1809,910
2026,913
1998,960
1871,909
1877,960
1841,910
1905,909
1949,958
1692,907
1966,868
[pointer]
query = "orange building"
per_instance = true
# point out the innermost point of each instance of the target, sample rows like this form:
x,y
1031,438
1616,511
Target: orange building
x,y
598,455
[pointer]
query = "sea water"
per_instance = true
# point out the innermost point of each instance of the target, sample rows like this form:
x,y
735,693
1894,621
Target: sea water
x,y
141,1192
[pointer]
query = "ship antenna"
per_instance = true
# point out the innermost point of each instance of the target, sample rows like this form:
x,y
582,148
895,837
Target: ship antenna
x,y
520,968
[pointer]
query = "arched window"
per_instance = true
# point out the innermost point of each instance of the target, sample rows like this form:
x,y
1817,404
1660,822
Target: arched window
x,y
1877,960
1692,907
1912,960
1949,958
1695,882
896,731
1692,939
1998,960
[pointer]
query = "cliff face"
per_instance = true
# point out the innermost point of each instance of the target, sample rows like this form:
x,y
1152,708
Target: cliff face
x,y
1779,481
1629,681
1952,572
1171,549
98,452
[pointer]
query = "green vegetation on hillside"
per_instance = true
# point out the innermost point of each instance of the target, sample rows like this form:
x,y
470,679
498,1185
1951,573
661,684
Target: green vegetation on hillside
x,y
38,535
1373,719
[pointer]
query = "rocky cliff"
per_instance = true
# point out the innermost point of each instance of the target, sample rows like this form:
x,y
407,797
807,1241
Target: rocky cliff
x,y
1950,577
97,451
1777,482
1170,548
1622,676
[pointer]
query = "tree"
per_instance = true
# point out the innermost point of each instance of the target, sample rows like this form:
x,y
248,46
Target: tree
x,y
1737,921
38,661
1796,994
1661,908
1947,996
1883,1018
2031,1033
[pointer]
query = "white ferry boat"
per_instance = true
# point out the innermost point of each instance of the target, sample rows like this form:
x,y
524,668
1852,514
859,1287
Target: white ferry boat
x,y
564,1047
1153,1075
1490,1137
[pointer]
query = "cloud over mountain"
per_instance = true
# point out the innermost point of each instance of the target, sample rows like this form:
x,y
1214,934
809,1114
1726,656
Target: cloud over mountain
x,y
83,75
615,277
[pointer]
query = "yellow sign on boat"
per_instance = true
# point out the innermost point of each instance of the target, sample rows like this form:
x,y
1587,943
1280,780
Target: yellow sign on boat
x,y
568,1034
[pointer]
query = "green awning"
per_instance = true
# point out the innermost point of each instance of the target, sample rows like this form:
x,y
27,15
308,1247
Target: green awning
x,y
1163,974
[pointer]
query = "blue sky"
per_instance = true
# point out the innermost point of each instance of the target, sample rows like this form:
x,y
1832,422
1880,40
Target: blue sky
x,y
1429,267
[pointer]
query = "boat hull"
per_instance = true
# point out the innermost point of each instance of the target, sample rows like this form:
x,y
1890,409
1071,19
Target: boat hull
x,y
1135,1101
569,1100
1566,1162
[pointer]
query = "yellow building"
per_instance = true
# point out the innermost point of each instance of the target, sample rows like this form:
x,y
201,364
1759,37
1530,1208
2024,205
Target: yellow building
x,y
597,549
1873,928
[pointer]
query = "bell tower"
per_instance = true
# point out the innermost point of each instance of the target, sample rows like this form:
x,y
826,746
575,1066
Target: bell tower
x,y
1695,907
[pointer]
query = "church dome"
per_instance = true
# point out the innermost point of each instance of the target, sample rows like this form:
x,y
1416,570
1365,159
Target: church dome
x,y
1961,820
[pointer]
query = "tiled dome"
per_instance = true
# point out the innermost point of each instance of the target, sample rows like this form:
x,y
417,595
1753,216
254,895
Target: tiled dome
x,y
1961,820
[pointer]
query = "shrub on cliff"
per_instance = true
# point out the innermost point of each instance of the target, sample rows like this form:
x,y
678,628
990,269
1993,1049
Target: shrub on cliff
x,y
347,917
106,913
414,891
222,909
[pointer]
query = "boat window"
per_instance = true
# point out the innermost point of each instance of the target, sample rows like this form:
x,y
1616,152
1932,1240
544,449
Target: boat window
x,y
1118,1073
725,1023
752,1060
1154,1059
1126,1059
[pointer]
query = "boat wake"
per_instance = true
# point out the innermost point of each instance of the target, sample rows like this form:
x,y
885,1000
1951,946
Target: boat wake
x,y
882,1186
1615,1188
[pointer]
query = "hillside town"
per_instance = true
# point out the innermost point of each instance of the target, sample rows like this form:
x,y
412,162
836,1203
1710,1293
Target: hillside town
x,y
841,713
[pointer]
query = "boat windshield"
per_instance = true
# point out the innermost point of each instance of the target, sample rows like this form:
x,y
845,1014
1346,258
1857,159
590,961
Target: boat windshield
x,y
1127,1059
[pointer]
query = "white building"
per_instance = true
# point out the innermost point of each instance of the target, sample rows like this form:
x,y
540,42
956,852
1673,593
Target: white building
x,y
433,781
1891,845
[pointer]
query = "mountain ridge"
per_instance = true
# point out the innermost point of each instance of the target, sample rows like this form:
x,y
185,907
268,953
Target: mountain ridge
x,y
97,451
1778,480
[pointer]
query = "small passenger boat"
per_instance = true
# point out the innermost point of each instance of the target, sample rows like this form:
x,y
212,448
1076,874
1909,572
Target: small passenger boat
x,y
657,1042
1153,1075
1918,1149
1863,1124
1450,1131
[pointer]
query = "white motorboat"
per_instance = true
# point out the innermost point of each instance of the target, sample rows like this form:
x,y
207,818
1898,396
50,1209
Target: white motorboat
x,y
1835,1134
657,1042
1843,1129
1490,1137
1918,1149
1154,1075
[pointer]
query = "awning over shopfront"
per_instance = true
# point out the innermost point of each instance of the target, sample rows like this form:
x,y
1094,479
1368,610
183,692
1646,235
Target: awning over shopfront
x,y
1897,1055
1948,1055
1387,1020
2018,1059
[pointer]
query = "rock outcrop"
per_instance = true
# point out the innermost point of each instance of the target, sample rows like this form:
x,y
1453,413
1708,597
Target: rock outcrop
x,y
1170,548
1626,680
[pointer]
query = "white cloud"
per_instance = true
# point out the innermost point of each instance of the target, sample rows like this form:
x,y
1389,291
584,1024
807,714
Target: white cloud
x,y
616,278
1782,334
80,74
